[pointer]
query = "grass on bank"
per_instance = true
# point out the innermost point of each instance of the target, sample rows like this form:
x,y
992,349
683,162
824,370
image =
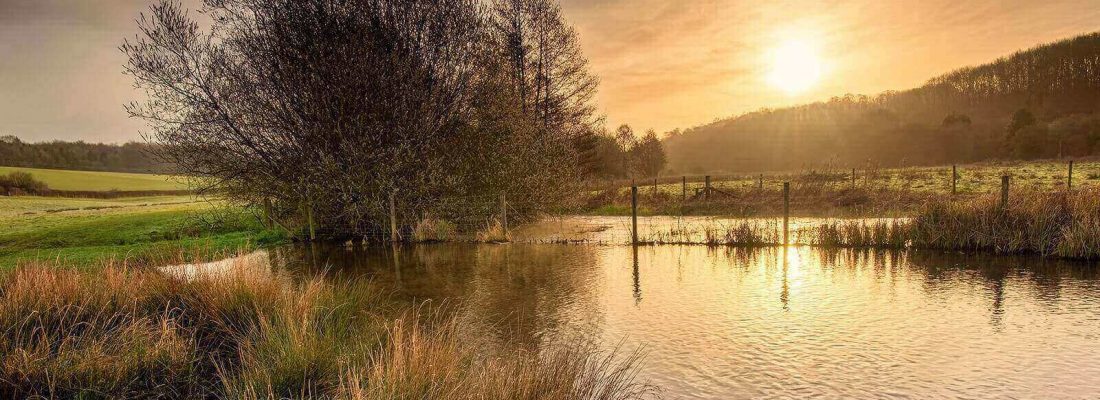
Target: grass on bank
x,y
84,231
59,179
1064,224
123,332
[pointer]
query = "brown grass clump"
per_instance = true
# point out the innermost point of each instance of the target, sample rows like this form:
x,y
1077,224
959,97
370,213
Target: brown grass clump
x,y
432,229
494,232
250,333
1064,224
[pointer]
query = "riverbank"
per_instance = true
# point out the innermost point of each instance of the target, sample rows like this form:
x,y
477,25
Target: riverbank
x,y
124,332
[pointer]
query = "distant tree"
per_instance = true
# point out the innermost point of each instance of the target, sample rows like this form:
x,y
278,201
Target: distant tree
x,y
1022,118
1075,135
610,158
625,139
649,155
955,142
1025,139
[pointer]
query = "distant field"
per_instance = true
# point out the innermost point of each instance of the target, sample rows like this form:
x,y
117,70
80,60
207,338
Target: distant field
x,y
973,178
99,181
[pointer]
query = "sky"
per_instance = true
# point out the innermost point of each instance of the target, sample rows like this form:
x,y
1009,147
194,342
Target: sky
x,y
662,64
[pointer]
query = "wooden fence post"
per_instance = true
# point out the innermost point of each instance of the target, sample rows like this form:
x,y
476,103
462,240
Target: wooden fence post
x,y
684,190
654,187
954,179
268,218
504,212
786,212
853,177
1069,179
633,215
393,216
1004,192
309,215
760,182
706,188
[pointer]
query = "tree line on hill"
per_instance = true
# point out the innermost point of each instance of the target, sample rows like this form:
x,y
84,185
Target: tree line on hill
x,y
129,157
1037,103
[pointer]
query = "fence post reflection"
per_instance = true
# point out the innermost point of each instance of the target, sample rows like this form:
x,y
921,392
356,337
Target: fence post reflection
x,y
637,277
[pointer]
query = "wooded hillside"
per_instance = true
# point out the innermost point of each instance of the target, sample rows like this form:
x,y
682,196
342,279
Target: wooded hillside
x,y
1041,102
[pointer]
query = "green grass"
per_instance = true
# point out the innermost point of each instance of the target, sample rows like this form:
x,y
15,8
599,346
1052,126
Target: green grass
x,y
99,181
27,205
85,231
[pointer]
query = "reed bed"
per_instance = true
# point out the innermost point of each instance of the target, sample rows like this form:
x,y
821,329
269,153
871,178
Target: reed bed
x,y
1060,224
122,332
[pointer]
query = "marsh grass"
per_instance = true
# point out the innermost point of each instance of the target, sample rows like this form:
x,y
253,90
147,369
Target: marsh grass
x,y
248,332
430,229
493,232
1062,224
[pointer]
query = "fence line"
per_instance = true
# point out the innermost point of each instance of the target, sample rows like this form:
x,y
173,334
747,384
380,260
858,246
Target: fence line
x,y
495,217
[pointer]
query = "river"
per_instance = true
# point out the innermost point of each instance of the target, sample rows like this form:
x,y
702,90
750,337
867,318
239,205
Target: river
x,y
797,322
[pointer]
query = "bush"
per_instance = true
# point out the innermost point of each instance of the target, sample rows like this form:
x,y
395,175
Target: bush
x,y
18,182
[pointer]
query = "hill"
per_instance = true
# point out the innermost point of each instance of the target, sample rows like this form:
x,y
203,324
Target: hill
x,y
1041,102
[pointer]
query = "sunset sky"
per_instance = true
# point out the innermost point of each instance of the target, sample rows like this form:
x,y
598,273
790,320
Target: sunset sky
x,y
662,64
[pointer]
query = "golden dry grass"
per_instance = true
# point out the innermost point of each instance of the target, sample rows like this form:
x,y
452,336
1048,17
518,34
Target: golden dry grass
x,y
123,332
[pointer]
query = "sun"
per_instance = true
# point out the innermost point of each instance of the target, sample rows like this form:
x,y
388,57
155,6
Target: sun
x,y
795,66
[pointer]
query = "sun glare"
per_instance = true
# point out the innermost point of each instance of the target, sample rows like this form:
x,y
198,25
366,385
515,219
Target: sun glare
x,y
795,66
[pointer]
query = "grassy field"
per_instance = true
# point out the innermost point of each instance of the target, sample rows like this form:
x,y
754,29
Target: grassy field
x,y
99,181
874,192
141,229
973,178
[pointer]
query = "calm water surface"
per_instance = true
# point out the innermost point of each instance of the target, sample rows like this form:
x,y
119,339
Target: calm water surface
x,y
735,323
719,322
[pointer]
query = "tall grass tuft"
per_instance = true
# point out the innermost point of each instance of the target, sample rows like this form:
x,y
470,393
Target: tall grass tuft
x,y
879,234
430,229
1064,224
493,232
251,333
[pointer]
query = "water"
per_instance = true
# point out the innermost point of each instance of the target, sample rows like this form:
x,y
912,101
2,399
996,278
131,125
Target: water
x,y
768,323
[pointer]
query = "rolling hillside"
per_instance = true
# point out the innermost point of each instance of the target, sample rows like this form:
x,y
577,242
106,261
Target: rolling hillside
x,y
971,114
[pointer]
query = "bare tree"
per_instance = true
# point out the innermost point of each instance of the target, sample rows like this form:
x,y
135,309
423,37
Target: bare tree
x,y
548,67
331,105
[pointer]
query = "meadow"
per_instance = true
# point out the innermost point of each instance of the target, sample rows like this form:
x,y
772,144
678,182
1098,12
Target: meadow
x,y
831,192
70,180
147,230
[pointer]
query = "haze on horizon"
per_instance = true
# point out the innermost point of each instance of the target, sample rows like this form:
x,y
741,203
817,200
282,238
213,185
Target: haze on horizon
x,y
662,64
